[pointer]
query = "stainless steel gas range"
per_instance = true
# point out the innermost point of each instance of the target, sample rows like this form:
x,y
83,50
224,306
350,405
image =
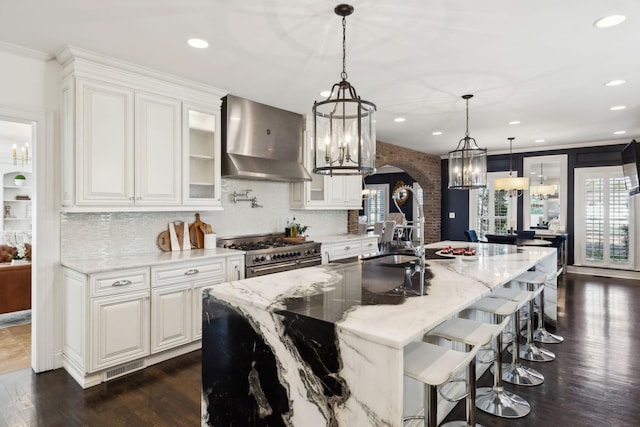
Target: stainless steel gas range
x,y
271,253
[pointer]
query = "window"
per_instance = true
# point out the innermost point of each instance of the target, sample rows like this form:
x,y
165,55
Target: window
x,y
376,204
602,220
491,211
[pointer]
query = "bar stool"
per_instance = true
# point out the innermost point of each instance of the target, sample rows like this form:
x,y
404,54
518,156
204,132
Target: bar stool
x,y
540,334
513,373
473,334
496,400
433,365
535,283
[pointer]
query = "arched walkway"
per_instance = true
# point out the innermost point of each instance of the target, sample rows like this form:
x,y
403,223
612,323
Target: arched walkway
x,y
425,169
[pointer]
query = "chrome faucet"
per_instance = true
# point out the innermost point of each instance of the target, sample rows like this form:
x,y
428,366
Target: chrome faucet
x,y
419,226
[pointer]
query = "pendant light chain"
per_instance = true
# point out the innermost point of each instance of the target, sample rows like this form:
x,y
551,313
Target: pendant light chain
x,y
510,155
344,48
467,132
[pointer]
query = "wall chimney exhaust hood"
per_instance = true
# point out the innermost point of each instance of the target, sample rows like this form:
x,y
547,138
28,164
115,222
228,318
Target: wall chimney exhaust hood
x,y
261,142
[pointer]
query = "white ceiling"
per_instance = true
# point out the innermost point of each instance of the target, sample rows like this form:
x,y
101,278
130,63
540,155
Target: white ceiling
x,y
540,62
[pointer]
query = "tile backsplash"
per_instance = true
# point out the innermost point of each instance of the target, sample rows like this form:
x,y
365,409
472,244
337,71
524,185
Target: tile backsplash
x,y
95,235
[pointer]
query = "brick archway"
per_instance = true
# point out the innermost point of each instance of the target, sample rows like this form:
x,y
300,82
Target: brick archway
x,y
425,169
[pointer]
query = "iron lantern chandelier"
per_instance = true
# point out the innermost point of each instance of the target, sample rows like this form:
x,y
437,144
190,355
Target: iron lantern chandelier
x,y
344,124
514,185
468,162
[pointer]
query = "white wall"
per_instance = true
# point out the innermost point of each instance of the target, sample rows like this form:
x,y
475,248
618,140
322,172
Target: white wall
x,y
29,88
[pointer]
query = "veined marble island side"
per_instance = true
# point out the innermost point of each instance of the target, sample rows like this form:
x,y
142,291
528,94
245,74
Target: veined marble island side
x,y
323,346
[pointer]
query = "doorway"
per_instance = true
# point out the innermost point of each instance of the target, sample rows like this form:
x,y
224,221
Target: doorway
x,y
17,190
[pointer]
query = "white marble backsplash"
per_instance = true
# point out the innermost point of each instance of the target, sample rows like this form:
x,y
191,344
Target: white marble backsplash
x,y
95,235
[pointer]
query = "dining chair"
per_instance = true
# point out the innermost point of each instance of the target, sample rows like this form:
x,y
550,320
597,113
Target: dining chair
x,y
471,235
389,233
378,227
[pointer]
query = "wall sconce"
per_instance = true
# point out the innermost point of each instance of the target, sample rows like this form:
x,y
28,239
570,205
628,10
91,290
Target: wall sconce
x,y
22,154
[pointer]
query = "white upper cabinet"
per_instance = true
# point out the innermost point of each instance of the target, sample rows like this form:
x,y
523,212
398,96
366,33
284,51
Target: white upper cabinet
x,y
105,150
127,139
324,192
158,148
201,156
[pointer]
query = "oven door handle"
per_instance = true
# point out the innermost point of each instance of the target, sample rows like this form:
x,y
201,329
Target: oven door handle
x,y
271,266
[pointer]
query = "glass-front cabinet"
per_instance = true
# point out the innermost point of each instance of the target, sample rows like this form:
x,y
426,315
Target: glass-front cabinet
x,y
201,151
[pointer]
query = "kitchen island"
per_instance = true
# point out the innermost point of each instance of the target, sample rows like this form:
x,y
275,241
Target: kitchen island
x,y
323,346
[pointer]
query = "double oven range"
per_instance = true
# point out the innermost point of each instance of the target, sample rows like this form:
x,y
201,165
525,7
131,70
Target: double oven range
x,y
273,253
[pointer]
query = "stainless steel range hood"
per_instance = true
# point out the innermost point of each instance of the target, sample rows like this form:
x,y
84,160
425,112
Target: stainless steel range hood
x,y
261,142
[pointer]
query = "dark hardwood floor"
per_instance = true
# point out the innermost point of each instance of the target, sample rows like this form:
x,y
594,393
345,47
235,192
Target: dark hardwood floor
x,y
593,382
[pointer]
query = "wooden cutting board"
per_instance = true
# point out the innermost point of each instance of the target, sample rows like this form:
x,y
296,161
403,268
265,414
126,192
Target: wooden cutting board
x,y
196,234
164,241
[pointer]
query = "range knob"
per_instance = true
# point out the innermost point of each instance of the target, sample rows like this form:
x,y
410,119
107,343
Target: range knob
x,y
262,258
256,259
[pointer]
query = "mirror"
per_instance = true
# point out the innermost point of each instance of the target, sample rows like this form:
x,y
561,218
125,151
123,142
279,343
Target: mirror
x,y
545,203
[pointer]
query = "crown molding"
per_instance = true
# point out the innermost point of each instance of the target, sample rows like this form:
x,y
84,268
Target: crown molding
x,y
25,51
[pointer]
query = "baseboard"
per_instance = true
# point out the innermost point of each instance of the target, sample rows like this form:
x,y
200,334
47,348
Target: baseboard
x,y
89,380
604,272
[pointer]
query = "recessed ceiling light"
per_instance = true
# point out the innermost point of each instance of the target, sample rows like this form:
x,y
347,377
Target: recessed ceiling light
x,y
618,107
198,43
399,119
325,93
609,21
620,132
539,140
616,82
436,133
515,122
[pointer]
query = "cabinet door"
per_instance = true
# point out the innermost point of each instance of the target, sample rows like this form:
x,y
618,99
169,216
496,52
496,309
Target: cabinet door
x,y
119,329
104,145
157,150
235,268
170,316
353,192
201,162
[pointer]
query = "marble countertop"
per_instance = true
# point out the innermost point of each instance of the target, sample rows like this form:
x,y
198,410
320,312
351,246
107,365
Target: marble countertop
x,y
358,301
99,265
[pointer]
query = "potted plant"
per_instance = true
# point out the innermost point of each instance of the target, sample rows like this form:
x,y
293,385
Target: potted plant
x,y
19,180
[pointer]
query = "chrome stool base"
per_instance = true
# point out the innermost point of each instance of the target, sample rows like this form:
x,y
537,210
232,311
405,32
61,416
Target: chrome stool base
x,y
546,337
519,375
501,403
536,354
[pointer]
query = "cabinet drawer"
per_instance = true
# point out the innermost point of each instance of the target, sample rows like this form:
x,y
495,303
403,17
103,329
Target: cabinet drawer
x,y
343,250
212,269
119,281
370,246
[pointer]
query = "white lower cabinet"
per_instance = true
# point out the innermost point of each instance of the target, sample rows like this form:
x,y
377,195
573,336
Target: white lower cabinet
x,y
352,246
119,329
171,316
176,301
120,321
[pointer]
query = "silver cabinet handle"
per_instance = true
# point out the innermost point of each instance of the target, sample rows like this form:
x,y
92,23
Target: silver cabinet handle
x,y
121,283
191,272
237,267
346,248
